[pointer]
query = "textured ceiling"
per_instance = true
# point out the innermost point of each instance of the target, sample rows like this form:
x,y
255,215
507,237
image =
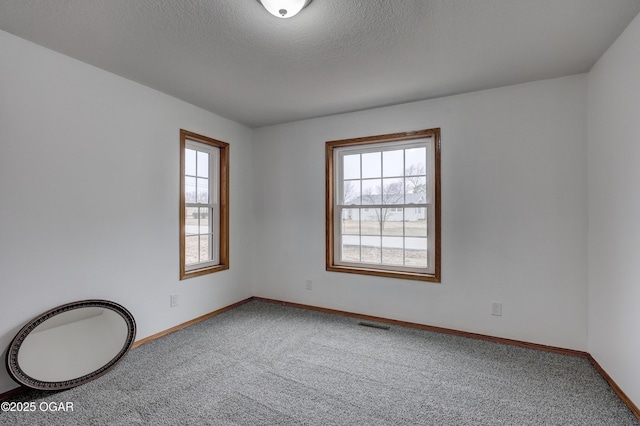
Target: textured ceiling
x,y
233,58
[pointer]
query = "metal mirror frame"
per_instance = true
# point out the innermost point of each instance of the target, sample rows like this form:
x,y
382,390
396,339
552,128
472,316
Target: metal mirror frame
x,y
14,370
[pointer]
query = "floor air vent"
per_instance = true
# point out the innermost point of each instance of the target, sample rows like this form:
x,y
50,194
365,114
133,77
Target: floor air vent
x,y
368,324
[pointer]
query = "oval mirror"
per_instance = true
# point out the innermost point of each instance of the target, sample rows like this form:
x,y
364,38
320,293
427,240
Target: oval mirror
x,y
71,344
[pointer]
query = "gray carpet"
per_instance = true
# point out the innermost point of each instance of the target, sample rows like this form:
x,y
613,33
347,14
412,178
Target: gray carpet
x,y
267,364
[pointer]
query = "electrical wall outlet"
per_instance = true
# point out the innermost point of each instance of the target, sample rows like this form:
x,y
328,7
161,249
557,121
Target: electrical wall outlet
x,y
309,285
173,300
496,309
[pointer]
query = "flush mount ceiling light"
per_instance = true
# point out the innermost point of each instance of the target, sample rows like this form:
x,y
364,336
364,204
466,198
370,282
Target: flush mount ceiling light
x,y
284,8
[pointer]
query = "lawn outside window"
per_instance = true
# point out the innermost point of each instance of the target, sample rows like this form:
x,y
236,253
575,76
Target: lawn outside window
x,y
383,205
204,194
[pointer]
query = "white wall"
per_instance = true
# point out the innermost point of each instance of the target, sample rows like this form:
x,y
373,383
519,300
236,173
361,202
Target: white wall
x,y
89,184
614,211
514,214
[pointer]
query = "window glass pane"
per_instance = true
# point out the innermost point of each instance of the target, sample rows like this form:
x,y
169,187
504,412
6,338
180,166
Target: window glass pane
x,y
392,221
371,165
351,221
205,252
392,251
416,185
351,192
371,189
392,163
351,169
189,162
204,220
415,161
416,252
370,249
393,191
203,164
350,248
191,250
190,189
191,220
203,190
415,224
371,221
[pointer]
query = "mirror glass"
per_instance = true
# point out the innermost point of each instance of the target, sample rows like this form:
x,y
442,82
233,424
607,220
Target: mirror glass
x,y
71,344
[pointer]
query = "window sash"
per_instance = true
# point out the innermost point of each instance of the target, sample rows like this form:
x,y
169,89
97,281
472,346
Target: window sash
x,y
338,240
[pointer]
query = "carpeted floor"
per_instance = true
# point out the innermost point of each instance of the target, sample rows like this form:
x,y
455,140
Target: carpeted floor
x,y
267,364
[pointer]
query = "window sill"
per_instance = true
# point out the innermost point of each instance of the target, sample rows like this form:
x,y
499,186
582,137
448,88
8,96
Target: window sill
x,y
434,278
184,275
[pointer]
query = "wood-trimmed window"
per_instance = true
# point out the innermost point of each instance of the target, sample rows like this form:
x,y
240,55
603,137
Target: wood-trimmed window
x,y
204,205
383,205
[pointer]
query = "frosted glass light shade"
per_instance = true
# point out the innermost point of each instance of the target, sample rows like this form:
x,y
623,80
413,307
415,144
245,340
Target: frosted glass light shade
x,y
284,8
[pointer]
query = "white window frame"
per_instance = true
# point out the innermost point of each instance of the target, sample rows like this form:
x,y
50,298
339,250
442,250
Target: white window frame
x,y
336,150
213,206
